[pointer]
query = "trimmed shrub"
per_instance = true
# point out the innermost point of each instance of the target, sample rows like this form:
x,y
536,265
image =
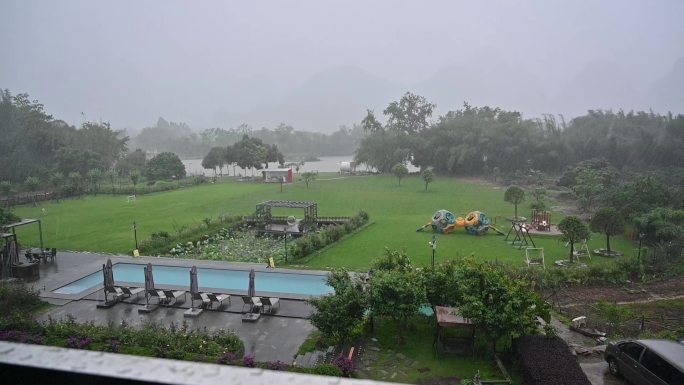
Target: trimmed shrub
x,y
313,242
547,361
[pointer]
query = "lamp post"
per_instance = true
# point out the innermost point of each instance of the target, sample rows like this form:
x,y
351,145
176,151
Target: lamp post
x,y
135,234
285,238
433,245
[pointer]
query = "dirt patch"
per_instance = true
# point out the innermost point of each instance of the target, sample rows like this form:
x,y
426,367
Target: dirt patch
x,y
634,292
649,313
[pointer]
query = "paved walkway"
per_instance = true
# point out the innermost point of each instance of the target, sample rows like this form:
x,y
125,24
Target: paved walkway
x,y
594,366
272,337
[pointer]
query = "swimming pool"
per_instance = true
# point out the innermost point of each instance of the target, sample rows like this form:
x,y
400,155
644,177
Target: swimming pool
x,y
223,279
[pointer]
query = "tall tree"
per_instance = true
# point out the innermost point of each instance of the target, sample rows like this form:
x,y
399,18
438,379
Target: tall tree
x,y
308,177
94,177
588,187
338,315
135,178
514,195
399,170
410,115
6,188
57,182
166,165
370,122
215,158
31,184
397,295
428,176
573,230
608,221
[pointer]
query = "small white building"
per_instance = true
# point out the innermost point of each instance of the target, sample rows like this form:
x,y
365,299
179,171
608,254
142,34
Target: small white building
x,y
347,167
277,175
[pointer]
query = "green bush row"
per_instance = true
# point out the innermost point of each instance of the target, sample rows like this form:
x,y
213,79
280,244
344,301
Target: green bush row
x,y
315,241
625,269
151,187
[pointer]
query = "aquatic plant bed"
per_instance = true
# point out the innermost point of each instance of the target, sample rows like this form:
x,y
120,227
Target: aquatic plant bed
x,y
232,245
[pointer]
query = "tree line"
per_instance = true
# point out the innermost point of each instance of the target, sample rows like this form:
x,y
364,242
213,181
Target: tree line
x,y
180,139
485,140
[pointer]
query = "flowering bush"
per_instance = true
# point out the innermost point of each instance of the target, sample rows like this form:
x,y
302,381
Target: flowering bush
x,y
227,358
277,365
78,342
248,361
21,336
345,365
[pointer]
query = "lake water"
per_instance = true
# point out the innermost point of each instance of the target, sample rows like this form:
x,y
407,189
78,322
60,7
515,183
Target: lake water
x,y
325,164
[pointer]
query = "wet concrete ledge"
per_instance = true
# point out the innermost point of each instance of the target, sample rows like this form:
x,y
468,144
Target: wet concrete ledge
x,y
36,364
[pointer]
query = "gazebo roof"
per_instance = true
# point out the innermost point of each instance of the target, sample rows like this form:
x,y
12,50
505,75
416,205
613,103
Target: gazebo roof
x,y
288,204
449,317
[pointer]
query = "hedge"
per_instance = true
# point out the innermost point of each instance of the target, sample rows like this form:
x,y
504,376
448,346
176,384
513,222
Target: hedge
x,y
547,361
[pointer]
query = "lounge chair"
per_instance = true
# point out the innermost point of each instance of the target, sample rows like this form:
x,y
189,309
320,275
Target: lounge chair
x,y
203,298
128,292
173,295
252,302
269,302
218,298
118,293
159,294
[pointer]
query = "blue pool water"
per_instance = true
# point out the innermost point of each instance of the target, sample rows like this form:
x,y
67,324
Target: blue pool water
x,y
228,280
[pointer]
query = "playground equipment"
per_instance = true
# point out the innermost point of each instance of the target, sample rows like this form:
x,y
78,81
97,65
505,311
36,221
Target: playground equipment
x,y
475,223
521,234
541,220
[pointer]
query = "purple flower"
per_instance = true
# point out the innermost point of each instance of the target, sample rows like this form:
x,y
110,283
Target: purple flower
x,y
277,365
78,342
248,361
226,358
345,365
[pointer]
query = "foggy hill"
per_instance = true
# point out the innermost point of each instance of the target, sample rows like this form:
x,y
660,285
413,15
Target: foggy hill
x,y
341,95
494,83
327,100
667,93
599,85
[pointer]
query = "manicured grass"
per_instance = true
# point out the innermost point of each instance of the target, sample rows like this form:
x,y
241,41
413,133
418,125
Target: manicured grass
x,y
104,223
418,347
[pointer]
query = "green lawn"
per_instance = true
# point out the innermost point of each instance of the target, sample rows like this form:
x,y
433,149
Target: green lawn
x,y
393,358
104,223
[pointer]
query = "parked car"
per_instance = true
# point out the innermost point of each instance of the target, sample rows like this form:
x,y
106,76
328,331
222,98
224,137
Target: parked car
x,y
647,362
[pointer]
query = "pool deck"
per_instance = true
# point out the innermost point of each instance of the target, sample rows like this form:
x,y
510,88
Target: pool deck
x,y
272,337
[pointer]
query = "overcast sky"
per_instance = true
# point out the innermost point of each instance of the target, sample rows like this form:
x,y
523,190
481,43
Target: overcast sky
x,y
129,62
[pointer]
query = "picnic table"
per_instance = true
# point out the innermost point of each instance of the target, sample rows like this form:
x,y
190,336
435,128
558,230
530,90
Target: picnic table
x,y
37,254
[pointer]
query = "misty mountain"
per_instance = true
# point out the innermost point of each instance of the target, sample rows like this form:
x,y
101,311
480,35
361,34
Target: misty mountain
x,y
340,96
667,93
599,85
494,83
327,100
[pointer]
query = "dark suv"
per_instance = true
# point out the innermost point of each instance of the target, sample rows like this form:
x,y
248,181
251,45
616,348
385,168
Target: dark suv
x,y
647,362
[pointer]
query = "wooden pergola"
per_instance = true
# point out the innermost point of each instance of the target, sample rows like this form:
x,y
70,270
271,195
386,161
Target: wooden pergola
x,y
24,222
263,211
449,317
